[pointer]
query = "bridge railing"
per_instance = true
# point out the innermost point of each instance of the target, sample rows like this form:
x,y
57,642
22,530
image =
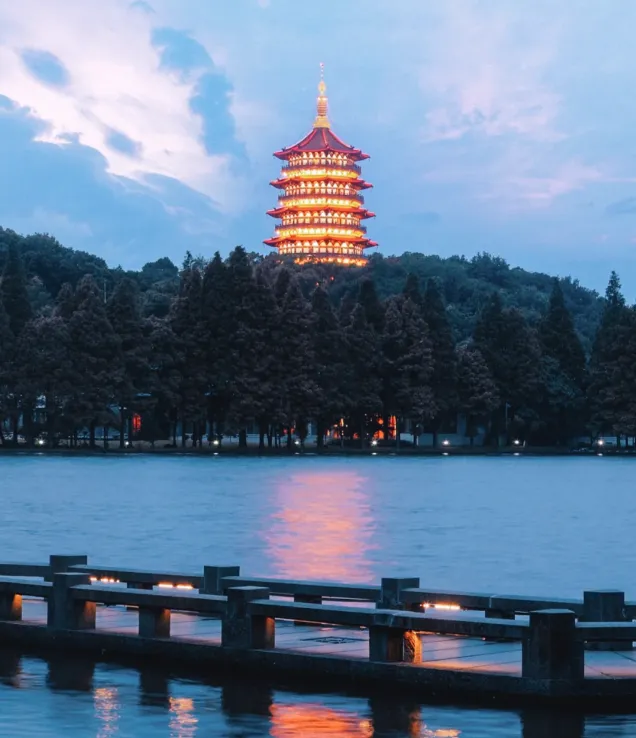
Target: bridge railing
x,y
402,594
552,640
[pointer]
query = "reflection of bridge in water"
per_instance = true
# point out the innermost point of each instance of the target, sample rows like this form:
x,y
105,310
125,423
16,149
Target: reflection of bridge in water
x,y
121,700
398,637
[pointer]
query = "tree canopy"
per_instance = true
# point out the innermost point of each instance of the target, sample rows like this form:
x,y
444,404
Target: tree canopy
x,y
227,344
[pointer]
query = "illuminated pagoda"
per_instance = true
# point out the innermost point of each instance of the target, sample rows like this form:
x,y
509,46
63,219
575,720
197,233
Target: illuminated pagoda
x,y
320,205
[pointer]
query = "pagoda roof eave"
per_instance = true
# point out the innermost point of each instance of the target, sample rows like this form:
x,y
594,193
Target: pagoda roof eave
x,y
360,212
321,139
281,183
330,237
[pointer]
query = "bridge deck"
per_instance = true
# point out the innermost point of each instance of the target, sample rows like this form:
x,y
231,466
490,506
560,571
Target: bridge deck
x,y
439,652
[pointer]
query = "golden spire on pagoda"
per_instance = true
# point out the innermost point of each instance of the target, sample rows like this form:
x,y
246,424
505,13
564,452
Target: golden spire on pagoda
x,y
321,119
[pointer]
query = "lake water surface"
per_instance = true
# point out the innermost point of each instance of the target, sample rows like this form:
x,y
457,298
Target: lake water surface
x,y
544,526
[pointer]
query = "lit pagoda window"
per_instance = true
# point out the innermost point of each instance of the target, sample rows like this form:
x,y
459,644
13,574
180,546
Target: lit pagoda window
x,y
318,169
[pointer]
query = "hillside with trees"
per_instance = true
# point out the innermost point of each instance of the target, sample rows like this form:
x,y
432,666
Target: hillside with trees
x,y
250,342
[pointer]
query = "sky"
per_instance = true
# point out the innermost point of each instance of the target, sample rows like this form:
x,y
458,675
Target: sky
x,y
140,129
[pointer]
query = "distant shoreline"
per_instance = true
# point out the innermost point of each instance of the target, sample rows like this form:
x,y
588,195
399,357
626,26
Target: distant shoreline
x,y
253,452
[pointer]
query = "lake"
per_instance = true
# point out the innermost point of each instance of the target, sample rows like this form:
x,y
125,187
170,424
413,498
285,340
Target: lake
x,y
523,525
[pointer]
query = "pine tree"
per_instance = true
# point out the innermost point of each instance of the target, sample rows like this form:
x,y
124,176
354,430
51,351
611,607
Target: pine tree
x,y
13,291
416,399
331,367
49,372
394,382
559,339
477,392
363,354
266,372
563,368
65,303
17,309
124,314
187,325
6,349
217,327
96,359
298,390
612,366
281,285
511,351
165,381
444,379
373,308
240,322
412,290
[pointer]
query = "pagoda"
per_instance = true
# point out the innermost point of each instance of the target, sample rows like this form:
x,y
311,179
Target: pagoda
x,y
320,204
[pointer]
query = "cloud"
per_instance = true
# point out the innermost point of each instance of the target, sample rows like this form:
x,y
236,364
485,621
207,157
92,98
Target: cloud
x,y
116,80
45,67
179,51
485,75
142,6
122,143
491,124
67,191
539,190
626,206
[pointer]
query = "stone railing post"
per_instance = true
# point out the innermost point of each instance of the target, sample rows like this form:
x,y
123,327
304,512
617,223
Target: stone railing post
x,y
605,606
497,614
551,650
391,590
64,612
10,606
388,643
61,563
241,629
154,622
213,578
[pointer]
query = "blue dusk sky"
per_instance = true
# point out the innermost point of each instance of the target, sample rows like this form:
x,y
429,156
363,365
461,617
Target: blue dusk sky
x,y
141,129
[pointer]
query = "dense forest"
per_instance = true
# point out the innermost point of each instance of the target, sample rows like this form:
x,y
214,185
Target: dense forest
x,y
251,342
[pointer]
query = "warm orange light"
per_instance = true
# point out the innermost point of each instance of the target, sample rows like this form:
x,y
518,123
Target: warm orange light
x,y
107,710
441,606
317,721
325,533
321,200
338,173
183,721
168,585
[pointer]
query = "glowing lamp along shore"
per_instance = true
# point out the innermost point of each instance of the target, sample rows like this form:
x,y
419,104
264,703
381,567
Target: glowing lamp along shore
x,y
320,204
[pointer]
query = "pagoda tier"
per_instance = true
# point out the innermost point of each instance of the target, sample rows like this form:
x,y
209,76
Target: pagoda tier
x,y
321,207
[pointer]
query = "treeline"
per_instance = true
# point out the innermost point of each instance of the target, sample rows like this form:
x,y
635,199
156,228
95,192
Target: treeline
x,y
244,344
466,284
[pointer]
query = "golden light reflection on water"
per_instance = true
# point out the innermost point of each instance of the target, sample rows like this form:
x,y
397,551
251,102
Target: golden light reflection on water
x,y
183,721
322,527
107,710
317,721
